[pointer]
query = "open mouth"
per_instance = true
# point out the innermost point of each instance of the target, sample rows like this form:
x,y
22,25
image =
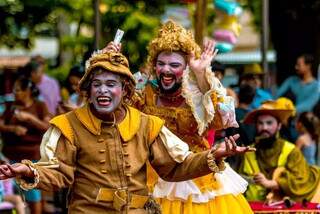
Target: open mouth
x,y
104,101
167,79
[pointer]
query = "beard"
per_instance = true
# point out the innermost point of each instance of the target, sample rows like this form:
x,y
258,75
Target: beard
x,y
264,142
172,89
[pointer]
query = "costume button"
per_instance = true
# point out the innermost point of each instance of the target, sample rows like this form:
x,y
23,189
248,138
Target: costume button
x,y
103,171
127,165
128,175
126,154
102,161
125,144
102,150
101,140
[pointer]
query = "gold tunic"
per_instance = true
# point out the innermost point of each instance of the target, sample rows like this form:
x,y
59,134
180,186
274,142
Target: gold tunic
x,y
100,161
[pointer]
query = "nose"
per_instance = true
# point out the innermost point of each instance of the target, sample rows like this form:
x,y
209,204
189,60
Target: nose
x,y
166,68
103,89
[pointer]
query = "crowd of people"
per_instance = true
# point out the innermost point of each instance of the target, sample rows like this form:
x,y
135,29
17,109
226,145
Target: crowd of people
x,y
170,146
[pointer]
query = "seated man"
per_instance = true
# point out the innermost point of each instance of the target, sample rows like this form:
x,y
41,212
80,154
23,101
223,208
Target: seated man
x,y
101,149
277,167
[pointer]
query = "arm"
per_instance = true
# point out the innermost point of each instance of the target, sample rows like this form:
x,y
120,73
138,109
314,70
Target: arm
x,y
41,125
173,161
298,180
300,142
16,129
42,175
285,86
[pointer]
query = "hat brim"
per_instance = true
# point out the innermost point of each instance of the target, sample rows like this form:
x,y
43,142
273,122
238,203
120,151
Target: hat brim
x,y
116,69
281,115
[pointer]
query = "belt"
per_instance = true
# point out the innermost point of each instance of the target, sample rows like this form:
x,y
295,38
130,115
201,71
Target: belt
x,y
121,197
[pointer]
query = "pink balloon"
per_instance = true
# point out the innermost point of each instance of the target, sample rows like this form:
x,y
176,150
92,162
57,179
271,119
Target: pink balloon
x,y
225,36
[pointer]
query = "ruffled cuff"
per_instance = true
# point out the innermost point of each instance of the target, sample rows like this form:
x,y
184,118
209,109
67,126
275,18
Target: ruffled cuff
x,y
29,183
215,166
214,104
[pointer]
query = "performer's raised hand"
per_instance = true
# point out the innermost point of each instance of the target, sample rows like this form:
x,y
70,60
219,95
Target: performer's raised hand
x,y
229,147
199,65
14,170
112,47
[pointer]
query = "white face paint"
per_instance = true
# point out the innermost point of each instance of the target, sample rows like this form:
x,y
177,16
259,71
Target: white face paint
x,y
106,92
169,69
267,125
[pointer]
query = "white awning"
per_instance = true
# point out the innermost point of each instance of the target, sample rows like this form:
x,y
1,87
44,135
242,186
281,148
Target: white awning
x,y
245,57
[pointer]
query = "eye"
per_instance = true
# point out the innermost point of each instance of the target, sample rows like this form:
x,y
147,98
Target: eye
x,y
175,65
96,84
159,63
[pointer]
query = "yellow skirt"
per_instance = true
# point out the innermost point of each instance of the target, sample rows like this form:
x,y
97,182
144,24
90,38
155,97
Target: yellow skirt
x,y
225,204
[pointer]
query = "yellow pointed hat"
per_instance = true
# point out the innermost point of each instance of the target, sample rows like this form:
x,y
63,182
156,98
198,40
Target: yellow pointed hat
x,y
282,109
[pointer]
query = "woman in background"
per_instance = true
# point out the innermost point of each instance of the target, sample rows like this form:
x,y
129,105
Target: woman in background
x,y
22,125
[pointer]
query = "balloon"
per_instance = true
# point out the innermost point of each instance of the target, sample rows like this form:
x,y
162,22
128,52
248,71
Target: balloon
x,y
224,47
229,7
225,36
230,23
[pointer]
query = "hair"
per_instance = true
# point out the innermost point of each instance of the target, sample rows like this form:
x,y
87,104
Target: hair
x,y
310,123
77,70
246,94
217,66
309,60
127,85
30,67
25,83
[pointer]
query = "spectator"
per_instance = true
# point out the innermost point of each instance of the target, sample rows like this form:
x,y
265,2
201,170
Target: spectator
x,y
75,97
252,75
49,88
302,89
277,166
219,71
22,125
308,127
246,131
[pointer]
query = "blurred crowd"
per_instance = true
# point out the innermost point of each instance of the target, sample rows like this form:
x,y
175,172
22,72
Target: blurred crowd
x,y
38,97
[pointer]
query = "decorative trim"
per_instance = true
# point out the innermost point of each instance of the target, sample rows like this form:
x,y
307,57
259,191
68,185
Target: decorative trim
x,y
25,184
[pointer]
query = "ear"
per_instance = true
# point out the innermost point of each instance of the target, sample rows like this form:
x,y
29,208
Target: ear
x,y
279,126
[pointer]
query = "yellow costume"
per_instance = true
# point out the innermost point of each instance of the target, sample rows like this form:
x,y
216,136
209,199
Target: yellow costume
x,y
219,193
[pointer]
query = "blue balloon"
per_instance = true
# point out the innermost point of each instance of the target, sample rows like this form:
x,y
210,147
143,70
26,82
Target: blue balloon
x,y
224,47
229,7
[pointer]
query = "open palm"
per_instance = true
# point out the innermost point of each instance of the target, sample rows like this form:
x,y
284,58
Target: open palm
x,y
199,65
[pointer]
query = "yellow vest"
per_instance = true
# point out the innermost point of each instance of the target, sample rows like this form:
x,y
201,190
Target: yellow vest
x,y
257,192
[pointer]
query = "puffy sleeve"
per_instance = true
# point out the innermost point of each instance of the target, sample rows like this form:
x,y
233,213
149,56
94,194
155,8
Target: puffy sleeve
x,y
173,161
299,180
213,109
57,165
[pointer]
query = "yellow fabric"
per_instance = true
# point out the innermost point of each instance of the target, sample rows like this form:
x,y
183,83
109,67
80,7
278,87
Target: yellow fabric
x,y
286,150
85,116
130,125
155,125
225,204
108,195
127,128
62,123
251,167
